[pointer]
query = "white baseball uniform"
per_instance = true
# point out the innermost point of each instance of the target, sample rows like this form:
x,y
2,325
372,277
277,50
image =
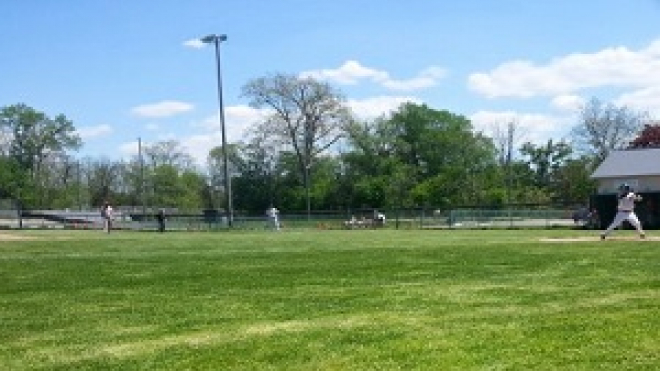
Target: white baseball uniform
x,y
273,216
626,211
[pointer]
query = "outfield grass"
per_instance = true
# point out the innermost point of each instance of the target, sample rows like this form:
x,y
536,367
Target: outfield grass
x,y
328,300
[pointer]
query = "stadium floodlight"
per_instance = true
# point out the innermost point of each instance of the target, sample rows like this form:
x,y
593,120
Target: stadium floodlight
x,y
208,39
216,40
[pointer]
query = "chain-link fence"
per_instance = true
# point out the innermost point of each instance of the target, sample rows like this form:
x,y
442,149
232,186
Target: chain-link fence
x,y
137,218
511,218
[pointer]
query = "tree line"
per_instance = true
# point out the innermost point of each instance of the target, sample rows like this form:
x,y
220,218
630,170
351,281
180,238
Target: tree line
x,y
311,153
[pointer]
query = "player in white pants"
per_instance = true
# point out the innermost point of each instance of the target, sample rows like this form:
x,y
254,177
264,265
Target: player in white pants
x,y
273,218
625,211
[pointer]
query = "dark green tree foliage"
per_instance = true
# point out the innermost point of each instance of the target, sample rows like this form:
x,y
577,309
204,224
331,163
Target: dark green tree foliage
x,y
176,188
430,140
448,158
367,167
172,178
30,137
415,157
59,182
34,135
103,181
254,187
418,156
572,183
11,177
255,162
555,175
545,160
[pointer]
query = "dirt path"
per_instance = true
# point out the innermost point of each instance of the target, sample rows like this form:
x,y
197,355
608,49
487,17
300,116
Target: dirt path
x,y
5,236
597,238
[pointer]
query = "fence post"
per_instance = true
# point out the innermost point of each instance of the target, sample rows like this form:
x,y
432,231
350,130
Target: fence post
x,y
421,219
19,213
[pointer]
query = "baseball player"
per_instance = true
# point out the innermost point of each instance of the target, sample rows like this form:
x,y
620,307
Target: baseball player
x,y
273,217
625,211
108,215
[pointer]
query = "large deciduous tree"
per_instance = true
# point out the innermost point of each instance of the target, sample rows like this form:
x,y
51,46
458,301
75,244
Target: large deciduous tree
x,y
33,135
419,156
606,127
554,174
28,138
103,181
168,152
572,183
545,160
506,138
371,162
172,180
449,158
305,114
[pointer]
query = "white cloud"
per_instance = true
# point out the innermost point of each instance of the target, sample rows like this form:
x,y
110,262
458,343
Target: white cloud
x,y
352,72
130,148
91,132
237,120
616,67
162,109
199,146
570,103
348,74
241,117
535,128
426,79
377,106
194,43
646,100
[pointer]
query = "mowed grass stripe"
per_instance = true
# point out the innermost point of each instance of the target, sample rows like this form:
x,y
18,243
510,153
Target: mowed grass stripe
x,y
327,300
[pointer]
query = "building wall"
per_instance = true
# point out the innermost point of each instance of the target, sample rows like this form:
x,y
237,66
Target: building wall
x,y
639,184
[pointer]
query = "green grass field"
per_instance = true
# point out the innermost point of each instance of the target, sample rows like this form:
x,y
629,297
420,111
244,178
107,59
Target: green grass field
x,y
329,300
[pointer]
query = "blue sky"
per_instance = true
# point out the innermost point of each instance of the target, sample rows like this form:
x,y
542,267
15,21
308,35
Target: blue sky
x,y
123,70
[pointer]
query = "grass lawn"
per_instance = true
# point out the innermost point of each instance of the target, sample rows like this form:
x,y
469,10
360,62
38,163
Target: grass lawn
x,y
329,300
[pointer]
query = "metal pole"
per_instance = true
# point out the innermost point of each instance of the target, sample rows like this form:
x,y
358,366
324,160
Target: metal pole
x,y
309,201
79,181
142,193
19,209
225,161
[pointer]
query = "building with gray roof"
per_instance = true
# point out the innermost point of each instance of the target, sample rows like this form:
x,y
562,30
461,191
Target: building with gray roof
x,y
639,168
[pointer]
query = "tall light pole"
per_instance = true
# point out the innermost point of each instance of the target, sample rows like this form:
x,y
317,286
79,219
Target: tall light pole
x,y
142,190
216,40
